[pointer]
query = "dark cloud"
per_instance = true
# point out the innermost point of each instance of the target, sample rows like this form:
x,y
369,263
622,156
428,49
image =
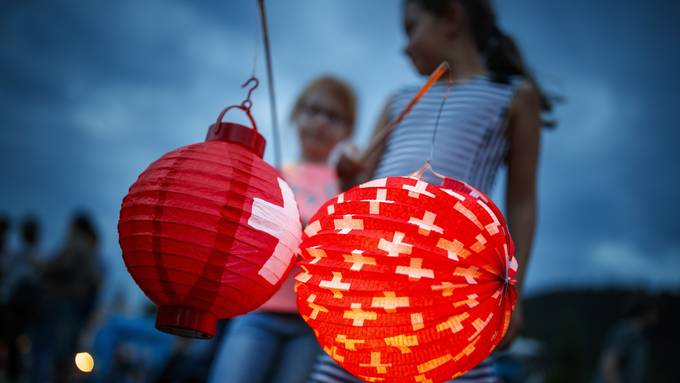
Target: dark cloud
x,y
608,170
92,92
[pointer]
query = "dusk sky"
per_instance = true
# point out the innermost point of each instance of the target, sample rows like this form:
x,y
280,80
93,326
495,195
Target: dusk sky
x,y
91,92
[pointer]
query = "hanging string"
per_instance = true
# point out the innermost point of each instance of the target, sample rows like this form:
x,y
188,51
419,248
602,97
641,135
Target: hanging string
x,y
257,46
439,113
270,80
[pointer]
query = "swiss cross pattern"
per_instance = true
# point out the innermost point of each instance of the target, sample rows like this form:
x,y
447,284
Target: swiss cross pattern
x,y
373,257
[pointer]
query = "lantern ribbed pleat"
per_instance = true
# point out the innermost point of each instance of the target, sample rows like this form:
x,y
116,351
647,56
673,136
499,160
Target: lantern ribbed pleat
x,y
405,281
208,231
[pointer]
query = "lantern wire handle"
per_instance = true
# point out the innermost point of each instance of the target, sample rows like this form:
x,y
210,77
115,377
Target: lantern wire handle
x,y
225,110
419,173
427,166
270,80
384,133
439,113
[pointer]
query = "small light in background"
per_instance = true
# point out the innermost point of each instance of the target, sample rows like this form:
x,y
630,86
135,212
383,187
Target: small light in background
x,y
84,362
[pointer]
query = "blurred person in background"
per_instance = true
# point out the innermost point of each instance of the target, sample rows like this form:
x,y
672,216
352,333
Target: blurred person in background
x,y
4,232
625,355
274,344
20,292
71,278
21,267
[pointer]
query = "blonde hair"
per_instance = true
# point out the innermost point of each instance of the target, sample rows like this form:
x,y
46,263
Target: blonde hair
x,y
338,88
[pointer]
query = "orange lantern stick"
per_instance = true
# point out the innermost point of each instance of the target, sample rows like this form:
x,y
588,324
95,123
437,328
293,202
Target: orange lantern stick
x,y
406,281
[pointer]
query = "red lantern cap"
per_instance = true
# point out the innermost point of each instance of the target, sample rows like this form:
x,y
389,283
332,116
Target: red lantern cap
x,y
247,137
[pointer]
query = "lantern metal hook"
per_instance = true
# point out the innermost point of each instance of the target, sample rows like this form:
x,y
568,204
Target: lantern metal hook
x,y
248,103
245,106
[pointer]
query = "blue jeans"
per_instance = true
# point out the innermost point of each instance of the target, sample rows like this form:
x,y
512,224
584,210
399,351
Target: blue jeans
x,y
265,347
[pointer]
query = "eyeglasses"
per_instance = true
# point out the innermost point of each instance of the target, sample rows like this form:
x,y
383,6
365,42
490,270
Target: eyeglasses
x,y
313,110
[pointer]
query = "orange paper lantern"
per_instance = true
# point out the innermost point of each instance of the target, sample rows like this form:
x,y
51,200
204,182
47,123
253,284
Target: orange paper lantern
x,y
405,281
209,231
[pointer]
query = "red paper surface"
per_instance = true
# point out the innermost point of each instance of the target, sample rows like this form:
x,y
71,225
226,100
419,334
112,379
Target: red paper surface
x,y
405,281
209,226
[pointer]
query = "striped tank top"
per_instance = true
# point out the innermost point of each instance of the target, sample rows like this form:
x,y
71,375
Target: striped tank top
x,y
471,142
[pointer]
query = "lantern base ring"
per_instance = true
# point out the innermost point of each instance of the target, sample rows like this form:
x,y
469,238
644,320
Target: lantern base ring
x,y
185,321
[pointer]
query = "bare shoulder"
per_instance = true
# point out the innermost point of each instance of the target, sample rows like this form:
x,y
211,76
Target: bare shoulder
x,y
527,98
525,109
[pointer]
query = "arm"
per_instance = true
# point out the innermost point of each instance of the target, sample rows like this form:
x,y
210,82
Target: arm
x,y
524,134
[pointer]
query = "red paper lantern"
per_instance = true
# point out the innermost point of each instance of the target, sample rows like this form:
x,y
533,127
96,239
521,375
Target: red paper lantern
x,y
209,231
405,281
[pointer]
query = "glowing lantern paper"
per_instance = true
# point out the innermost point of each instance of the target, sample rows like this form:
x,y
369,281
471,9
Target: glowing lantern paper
x,y
405,281
209,230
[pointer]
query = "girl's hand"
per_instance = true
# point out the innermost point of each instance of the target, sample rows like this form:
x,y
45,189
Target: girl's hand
x,y
516,324
349,165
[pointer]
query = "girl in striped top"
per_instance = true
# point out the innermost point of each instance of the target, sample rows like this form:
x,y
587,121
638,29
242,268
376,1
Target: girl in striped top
x,y
491,118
